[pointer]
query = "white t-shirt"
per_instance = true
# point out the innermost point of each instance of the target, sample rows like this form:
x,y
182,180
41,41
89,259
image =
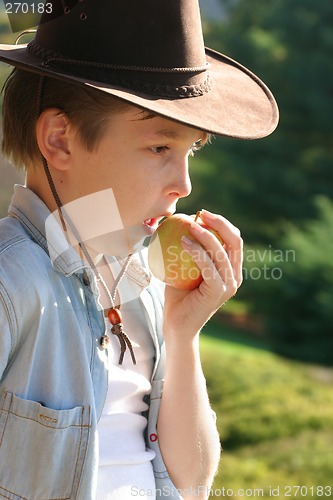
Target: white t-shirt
x,y
125,465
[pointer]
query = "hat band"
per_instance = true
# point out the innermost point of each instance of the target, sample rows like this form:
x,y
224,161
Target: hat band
x,y
120,74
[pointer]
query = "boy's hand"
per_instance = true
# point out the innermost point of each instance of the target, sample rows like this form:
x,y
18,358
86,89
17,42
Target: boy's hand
x,y
186,312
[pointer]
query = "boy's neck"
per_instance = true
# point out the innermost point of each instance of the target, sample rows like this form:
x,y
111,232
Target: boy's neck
x,y
41,188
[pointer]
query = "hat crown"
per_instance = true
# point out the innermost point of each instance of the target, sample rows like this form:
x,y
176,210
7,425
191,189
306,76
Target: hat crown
x,y
151,54
145,33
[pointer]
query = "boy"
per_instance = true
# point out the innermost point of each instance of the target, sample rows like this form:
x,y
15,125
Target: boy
x,y
103,110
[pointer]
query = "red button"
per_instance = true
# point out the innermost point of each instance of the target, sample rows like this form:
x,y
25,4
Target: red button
x,y
153,438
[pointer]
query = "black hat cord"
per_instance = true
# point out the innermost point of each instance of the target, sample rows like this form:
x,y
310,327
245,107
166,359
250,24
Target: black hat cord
x,y
113,313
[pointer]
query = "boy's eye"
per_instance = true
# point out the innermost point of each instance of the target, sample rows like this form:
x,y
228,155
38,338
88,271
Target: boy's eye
x,y
159,149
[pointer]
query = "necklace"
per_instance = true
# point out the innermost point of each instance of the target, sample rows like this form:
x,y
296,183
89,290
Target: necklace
x,y
115,317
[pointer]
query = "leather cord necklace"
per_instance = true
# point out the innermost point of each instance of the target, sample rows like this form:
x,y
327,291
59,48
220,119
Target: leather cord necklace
x,y
115,317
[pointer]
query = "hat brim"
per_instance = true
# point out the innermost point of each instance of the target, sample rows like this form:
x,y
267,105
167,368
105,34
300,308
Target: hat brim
x,y
239,104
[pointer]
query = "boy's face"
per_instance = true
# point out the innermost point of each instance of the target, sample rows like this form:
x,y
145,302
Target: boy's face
x,y
144,161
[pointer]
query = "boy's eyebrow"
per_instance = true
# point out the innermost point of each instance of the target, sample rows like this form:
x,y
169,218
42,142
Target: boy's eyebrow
x,y
173,134
170,134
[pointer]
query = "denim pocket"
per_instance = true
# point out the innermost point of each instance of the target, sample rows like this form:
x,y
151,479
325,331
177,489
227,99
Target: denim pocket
x,y
42,451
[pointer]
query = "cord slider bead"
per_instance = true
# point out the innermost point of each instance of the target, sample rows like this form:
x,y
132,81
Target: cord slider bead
x,y
115,316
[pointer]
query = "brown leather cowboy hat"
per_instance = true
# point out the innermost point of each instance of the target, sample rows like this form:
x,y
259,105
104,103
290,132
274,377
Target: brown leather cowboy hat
x,y
150,53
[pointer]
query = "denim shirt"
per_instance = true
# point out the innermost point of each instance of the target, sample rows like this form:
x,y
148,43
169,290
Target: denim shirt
x,y
53,377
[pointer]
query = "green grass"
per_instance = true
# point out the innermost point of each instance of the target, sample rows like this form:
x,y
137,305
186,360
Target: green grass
x,y
275,419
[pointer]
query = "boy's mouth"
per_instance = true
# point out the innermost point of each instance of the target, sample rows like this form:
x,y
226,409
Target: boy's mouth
x,y
152,223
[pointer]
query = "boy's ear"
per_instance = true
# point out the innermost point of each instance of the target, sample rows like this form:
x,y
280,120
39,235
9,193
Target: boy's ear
x,y
53,137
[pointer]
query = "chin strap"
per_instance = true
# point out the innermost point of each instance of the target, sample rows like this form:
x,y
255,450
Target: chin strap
x,y
65,220
114,315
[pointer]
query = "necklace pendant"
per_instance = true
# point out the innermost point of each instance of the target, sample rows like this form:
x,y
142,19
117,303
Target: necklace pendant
x,y
115,316
104,341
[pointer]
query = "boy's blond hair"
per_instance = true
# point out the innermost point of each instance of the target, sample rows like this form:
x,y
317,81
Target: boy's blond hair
x,y
87,109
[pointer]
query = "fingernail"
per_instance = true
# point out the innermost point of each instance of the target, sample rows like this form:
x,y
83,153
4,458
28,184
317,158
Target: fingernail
x,y
207,214
197,228
187,240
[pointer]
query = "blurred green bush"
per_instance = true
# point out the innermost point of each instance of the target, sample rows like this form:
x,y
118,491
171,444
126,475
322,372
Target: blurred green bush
x,y
295,289
275,417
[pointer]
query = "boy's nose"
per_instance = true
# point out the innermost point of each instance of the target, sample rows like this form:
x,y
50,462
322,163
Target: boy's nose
x,y
181,182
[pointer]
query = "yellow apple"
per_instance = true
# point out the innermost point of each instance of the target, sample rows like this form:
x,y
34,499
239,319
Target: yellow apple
x,y
167,259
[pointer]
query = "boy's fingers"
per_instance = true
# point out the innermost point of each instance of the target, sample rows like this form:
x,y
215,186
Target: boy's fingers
x,y
212,277
231,237
228,232
214,264
235,255
228,259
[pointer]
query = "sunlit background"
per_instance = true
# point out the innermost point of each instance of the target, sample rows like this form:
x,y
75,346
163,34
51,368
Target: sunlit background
x,y
268,353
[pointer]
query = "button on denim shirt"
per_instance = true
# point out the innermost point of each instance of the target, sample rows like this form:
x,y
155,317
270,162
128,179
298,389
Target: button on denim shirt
x,y
53,379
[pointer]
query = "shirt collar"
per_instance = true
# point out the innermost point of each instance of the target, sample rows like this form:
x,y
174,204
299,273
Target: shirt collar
x,y
43,227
